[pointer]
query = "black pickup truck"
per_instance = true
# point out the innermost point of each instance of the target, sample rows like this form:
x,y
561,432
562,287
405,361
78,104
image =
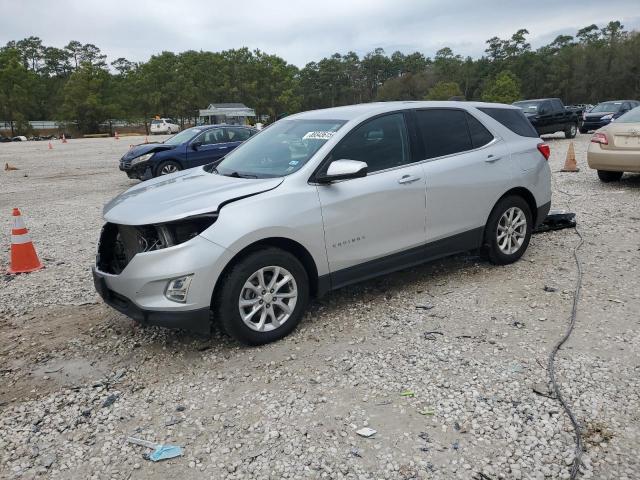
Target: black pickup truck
x,y
549,115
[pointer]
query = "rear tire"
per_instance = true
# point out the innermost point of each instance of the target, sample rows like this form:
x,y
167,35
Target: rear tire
x,y
168,167
571,130
606,176
275,316
506,237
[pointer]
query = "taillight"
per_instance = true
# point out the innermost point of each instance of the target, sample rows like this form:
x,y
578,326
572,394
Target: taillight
x,y
545,150
600,138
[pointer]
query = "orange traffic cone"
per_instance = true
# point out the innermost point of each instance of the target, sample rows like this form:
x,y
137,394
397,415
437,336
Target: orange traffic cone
x,y
50,146
116,136
24,258
64,140
570,164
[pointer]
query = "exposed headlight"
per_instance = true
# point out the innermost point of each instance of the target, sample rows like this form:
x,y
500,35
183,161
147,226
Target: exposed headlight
x,y
141,158
178,288
607,117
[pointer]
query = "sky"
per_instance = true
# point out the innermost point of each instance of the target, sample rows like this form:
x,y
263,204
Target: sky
x,y
301,31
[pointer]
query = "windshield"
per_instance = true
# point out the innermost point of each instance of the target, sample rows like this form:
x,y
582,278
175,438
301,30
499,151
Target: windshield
x,y
279,150
527,106
183,136
607,107
632,116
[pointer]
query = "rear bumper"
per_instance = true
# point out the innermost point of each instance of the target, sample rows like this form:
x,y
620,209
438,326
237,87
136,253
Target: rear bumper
x,y
193,320
543,211
613,160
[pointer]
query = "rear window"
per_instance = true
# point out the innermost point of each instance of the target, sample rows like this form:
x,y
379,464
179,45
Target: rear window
x,y
156,122
513,119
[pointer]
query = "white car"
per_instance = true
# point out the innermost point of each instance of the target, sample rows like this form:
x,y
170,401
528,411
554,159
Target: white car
x,y
317,201
164,125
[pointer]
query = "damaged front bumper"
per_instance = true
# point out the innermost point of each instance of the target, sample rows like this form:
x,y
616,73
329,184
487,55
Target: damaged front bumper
x,y
198,321
138,172
139,290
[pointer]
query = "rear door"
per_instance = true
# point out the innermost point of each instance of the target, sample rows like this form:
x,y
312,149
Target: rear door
x,y
207,147
545,118
560,115
467,169
382,214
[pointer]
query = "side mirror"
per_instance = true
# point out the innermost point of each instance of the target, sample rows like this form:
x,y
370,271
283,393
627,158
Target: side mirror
x,y
196,145
343,170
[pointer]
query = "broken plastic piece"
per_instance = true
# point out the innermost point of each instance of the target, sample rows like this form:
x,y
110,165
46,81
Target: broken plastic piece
x,y
366,432
557,220
164,452
160,452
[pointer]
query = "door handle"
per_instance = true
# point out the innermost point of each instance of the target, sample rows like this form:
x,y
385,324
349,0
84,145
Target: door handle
x,y
492,158
408,179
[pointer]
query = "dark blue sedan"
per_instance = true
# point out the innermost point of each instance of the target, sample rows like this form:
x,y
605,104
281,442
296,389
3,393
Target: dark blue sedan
x,y
190,148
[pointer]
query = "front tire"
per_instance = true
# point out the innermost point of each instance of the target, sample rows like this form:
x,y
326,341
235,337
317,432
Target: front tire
x,y
167,168
262,298
571,130
607,176
508,230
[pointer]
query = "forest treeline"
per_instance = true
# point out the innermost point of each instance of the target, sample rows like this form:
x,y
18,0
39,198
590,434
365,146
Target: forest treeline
x,y
76,84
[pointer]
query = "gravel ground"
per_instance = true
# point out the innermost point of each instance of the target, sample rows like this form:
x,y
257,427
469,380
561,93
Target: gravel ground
x,y
77,378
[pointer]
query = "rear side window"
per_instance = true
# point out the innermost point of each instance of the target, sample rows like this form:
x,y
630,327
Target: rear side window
x,y
238,134
443,131
480,136
513,119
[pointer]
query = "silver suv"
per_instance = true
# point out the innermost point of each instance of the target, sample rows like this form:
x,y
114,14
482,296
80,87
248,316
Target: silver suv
x,y
317,201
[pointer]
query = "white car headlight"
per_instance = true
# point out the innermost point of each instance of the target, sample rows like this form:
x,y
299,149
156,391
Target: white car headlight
x,y
607,117
141,158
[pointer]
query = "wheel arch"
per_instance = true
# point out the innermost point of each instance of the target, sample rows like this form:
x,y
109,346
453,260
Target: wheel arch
x,y
283,243
521,192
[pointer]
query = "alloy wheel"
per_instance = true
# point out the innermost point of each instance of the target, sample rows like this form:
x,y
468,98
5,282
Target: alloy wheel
x,y
268,298
167,169
511,231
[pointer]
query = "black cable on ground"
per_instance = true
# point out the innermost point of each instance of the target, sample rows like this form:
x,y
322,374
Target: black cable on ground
x,y
577,459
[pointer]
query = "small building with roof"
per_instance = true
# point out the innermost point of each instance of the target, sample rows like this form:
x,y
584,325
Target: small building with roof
x,y
229,113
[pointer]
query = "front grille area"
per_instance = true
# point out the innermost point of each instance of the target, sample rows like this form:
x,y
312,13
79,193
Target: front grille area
x,y
120,243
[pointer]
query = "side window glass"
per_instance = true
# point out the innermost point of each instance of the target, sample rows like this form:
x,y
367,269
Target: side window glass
x,y
443,131
382,143
211,137
480,136
238,134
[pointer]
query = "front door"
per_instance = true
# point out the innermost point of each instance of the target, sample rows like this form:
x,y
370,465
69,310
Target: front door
x,y
208,147
372,223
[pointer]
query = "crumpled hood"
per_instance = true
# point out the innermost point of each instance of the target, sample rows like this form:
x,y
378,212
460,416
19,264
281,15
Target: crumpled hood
x,y
180,195
145,148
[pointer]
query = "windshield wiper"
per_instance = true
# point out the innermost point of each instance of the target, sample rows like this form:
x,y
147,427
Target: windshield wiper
x,y
240,175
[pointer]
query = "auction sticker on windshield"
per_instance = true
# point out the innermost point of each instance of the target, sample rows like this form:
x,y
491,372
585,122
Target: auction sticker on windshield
x,y
322,135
